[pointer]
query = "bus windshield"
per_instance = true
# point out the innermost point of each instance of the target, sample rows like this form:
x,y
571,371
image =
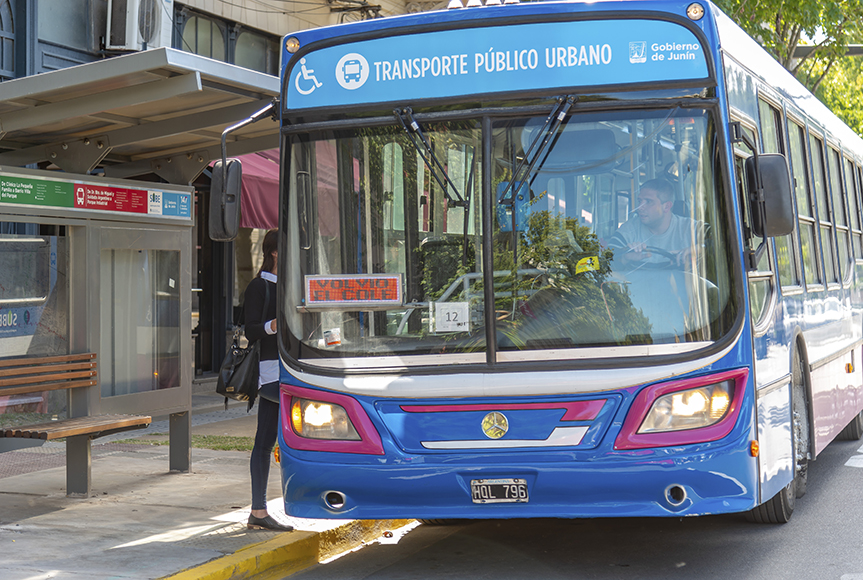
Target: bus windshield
x,y
606,229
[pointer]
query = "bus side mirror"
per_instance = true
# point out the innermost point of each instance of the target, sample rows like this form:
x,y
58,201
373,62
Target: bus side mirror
x,y
225,201
777,217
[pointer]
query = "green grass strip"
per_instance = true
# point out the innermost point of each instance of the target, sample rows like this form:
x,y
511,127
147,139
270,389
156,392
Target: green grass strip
x,y
214,442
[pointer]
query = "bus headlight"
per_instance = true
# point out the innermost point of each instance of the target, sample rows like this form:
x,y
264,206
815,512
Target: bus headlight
x,y
689,409
320,420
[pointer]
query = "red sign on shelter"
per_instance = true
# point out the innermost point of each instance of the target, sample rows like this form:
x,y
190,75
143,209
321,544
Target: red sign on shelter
x,y
106,198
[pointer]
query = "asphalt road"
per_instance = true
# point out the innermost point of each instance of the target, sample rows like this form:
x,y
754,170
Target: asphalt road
x,y
824,540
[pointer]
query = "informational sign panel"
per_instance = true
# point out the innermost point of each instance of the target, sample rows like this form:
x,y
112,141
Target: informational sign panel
x,y
354,291
490,59
83,195
451,316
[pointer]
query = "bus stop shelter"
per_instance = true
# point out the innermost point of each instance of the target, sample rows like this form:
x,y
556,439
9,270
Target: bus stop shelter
x,y
96,163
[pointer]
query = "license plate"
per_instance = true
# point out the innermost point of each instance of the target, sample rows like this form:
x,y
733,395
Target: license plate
x,y
498,490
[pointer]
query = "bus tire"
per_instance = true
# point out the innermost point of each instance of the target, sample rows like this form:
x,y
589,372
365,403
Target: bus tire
x,y
776,510
854,430
448,522
801,426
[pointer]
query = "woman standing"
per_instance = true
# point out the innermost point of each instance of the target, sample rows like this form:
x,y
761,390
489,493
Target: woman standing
x,y
260,322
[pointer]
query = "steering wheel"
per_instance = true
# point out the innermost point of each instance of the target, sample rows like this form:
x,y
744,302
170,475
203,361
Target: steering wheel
x,y
670,257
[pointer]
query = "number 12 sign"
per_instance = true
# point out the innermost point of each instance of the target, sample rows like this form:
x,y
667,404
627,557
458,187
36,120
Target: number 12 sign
x,y
451,316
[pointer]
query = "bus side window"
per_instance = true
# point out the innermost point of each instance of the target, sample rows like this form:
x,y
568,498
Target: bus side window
x,y
806,222
825,218
840,220
761,279
772,142
858,210
851,187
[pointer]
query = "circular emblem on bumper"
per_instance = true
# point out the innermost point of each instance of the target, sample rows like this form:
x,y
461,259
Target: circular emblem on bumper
x,y
495,425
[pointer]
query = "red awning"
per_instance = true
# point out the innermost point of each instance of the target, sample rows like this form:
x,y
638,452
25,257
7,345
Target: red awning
x,y
259,197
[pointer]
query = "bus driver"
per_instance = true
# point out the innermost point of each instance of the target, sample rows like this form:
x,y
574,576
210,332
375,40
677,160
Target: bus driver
x,y
655,234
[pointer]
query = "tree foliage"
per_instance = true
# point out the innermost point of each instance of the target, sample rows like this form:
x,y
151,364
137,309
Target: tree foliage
x,y
780,26
564,303
842,91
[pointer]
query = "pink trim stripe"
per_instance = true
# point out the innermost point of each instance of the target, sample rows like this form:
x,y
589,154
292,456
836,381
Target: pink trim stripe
x,y
575,410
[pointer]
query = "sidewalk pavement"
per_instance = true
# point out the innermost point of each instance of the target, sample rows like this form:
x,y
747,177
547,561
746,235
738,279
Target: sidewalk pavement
x,y
143,521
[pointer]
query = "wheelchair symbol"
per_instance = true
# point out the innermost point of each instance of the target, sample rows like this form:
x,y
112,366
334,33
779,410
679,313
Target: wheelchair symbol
x,y
308,75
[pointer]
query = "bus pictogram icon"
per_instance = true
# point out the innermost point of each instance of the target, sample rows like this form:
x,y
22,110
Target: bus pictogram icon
x,y
352,71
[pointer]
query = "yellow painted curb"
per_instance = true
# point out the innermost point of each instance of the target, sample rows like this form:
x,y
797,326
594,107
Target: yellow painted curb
x,y
289,552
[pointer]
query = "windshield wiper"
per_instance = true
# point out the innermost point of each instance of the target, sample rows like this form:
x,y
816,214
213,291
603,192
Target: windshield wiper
x,y
549,129
411,127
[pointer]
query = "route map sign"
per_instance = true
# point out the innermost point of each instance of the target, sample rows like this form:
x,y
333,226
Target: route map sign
x,y
91,196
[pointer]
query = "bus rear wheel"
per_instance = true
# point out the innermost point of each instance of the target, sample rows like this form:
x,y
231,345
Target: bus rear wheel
x,y
854,430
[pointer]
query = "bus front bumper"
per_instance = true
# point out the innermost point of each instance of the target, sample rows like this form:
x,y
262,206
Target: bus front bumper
x,y
703,482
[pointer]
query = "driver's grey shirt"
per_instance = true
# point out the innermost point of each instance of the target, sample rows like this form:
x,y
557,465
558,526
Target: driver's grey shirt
x,y
676,238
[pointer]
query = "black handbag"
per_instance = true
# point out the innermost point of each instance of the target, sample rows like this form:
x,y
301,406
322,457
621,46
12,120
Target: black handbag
x,y
238,375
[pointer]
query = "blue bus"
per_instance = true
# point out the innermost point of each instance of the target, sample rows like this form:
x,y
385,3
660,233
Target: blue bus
x,y
561,259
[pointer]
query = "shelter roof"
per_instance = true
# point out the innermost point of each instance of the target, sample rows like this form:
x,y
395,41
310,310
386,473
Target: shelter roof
x,y
157,111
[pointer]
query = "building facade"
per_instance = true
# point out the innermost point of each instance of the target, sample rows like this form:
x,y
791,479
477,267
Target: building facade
x,y
41,36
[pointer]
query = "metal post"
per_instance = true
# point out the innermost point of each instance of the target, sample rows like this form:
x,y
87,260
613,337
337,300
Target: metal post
x,y
84,255
78,464
180,441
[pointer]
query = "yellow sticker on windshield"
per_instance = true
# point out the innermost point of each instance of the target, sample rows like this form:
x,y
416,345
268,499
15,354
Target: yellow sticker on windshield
x,y
589,264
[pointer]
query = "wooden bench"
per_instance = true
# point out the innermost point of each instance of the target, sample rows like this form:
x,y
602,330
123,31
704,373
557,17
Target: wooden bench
x,y
27,375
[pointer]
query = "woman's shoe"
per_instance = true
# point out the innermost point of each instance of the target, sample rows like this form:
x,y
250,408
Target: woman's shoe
x,y
267,523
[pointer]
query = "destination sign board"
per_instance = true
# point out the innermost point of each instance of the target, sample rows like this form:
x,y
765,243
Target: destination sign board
x,y
536,56
356,291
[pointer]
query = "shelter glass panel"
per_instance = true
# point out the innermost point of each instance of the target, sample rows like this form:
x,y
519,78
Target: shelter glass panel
x,y
140,317
34,311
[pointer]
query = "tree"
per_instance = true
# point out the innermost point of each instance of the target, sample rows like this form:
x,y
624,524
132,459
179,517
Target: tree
x,y
780,26
842,91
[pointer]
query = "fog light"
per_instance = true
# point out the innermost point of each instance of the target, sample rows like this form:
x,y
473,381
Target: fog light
x,y
320,420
